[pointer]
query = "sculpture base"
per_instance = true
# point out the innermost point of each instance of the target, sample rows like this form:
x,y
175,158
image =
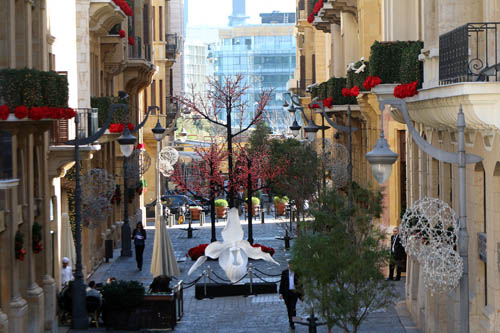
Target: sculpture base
x,y
223,290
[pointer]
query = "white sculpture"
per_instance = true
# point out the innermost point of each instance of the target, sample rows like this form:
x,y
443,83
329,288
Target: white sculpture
x,y
234,251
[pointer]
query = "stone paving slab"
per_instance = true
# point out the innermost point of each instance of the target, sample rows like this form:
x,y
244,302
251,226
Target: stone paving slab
x,y
260,313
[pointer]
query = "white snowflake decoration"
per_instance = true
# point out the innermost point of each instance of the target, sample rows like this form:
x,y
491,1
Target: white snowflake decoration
x,y
443,268
429,222
168,157
336,158
429,233
97,190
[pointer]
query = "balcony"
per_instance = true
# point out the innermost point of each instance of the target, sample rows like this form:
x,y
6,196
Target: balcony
x,y
104,14
469,53
171,46
87,125
139,68
330,13
113,54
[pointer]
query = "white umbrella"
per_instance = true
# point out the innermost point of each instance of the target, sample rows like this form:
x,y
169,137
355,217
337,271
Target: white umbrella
x,y
164,261
67,242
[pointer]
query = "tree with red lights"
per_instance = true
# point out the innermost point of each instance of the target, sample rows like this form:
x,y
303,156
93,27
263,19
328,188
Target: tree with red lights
x,y
224,106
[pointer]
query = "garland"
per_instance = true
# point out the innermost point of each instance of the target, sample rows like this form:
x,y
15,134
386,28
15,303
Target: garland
x,y
19,246
406,90
36,231
37,112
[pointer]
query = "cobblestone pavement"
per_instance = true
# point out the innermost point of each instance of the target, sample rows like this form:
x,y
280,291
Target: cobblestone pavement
x,y
239,314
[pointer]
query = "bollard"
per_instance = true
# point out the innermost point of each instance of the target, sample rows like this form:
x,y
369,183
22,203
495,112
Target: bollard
x,y
202,219
287,240
250,274
205,282
262,216
190,230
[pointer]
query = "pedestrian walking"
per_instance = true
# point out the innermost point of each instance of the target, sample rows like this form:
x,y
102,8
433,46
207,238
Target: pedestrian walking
x,y
290,292
139,237
397,255
66,271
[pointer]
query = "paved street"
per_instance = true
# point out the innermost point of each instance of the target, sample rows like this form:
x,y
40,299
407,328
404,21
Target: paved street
x,y
238,314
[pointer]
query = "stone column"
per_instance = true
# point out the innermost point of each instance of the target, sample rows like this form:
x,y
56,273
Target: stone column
x,y
28,34
34,292
83,52
337,54
18,306
350,38
49,283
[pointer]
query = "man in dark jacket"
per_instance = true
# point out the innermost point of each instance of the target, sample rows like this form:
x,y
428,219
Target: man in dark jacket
x,y
397,255
290,292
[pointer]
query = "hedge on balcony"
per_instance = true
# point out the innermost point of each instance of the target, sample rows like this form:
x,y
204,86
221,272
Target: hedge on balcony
x,y
386,59
333,88
411,68
354,79
30,87
104,104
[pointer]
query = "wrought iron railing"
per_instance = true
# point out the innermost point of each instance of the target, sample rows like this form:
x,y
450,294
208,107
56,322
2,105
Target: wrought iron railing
x,y
171,46
469,53
140,50
87,125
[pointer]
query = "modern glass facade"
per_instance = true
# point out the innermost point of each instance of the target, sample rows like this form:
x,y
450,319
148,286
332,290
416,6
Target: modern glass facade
x,y
267,61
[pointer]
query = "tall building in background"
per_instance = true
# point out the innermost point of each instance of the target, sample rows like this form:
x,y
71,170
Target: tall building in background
x,y
265,55
177,25
239,17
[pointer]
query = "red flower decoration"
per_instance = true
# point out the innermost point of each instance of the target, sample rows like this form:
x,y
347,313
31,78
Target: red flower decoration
x,y
314,106
121,33
310,18
21,112
35,113
131,40
4,112
346,92
371,81
406,90
327,102
130,127
354,91
141,146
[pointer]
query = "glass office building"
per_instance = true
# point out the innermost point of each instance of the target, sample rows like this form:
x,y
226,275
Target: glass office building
x,y
265,55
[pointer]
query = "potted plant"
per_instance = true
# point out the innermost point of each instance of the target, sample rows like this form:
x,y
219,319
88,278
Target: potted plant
x,y
120,301
220,208
280,204
255,205
195,212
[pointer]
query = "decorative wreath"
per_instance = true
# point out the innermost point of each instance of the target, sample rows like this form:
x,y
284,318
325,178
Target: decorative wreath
x,y
36,232
19,246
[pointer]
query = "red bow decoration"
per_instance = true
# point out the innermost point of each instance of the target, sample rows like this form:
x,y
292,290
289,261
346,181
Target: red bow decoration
x,y
406,90
353,92
371,81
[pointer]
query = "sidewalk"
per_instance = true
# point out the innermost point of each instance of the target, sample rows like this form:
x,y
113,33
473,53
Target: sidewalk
x,y
240,314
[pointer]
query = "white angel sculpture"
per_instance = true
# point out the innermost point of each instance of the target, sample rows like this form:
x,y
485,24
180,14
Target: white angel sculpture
x,y
234,251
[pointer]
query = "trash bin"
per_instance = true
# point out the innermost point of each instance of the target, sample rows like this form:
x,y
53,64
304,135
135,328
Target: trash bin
x,y
108,249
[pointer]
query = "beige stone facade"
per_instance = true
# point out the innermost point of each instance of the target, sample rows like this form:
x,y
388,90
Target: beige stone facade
x,y
73,38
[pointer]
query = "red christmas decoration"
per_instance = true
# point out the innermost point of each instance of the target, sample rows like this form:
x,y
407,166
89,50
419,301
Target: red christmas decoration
x,y
124,7
371,81
353,92
406,90
310,18
4,112
21,112
121,33
328,102
131,40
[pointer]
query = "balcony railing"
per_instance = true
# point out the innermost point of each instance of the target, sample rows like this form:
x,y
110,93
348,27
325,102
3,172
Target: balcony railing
x,y
469,53
171,46
87,125
139,50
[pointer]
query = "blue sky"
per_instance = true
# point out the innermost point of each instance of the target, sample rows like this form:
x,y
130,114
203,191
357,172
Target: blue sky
x,y
203,12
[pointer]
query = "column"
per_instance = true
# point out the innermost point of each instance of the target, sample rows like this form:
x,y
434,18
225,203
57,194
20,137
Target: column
x,y
350,39
49,283
337,54
34,293
83,52
28,34
17,306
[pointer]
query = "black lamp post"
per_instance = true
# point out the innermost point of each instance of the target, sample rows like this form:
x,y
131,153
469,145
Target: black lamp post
x,y
127,144
79,310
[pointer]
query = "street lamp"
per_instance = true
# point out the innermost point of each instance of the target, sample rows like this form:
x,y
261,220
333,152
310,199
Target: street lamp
x,y
79,319
311,128
127,143
159,132
378,156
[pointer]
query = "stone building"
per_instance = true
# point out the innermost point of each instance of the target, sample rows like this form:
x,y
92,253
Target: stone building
x,y
91,50
459,57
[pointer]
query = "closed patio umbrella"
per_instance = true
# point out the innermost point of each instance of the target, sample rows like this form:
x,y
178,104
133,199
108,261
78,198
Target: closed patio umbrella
x,y
67,242
164,261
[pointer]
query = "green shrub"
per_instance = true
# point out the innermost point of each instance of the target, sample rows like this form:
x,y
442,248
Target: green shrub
x,y
386,59
221,203
123,294
255,201
354,79
323,90
31,87
104,104
411,68
335,86
281,200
